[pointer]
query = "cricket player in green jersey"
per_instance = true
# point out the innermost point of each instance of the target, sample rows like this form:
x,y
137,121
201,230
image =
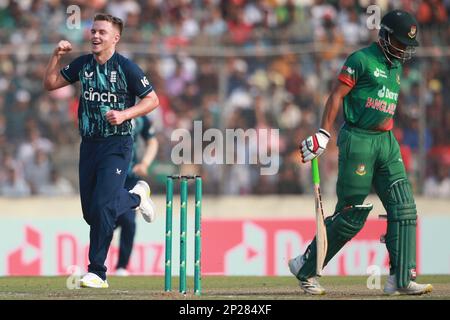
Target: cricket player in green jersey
x,y
369,155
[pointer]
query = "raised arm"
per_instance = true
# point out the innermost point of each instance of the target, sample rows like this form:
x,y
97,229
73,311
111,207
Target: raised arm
x,y
53,78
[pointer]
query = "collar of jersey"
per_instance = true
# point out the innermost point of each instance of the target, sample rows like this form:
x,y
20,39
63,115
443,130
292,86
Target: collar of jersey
x,y
101,65
378,53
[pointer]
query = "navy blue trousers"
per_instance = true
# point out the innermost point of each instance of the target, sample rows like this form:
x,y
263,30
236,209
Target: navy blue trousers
x,y
102,171
127,224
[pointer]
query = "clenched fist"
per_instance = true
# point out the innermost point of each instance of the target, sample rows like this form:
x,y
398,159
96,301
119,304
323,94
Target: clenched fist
x,y
115,117
62,48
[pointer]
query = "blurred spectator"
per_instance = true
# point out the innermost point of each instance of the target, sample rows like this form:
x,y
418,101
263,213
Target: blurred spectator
x,y
331,36
351,28
431,12
239,30
288,182
34,143
230,63
438,184
176,84
411,134
37,170
122,8
17,115
215,26
56,186
14,185
405,150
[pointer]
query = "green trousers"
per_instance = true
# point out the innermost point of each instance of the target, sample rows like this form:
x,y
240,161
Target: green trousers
x,y
366,159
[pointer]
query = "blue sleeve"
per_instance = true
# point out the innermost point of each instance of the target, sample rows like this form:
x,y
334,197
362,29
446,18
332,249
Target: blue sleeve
x,y
148,131
137,81
71,72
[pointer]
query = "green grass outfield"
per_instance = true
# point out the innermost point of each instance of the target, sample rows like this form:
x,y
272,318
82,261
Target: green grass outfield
x,y
214,287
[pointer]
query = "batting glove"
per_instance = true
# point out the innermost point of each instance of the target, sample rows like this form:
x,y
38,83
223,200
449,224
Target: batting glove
x,y
314,145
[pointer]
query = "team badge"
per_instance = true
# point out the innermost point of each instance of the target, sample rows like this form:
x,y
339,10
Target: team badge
x,y
398,79
113,78
361,170
412,32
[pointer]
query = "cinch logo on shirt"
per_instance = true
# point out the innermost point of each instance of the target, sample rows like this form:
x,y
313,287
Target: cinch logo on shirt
x,y
94,96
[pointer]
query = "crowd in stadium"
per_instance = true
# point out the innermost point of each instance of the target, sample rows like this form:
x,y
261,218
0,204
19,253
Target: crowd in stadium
x,y
230,64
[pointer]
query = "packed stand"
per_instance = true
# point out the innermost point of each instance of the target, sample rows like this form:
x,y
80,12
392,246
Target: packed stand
x,y
229,63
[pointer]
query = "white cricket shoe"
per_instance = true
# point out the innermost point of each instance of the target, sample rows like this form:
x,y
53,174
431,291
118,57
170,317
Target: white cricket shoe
x,y
146,206
311,285
413,288
91,280
121,272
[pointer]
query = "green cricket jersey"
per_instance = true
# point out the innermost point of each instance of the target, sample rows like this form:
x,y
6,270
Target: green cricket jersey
x,y
375,87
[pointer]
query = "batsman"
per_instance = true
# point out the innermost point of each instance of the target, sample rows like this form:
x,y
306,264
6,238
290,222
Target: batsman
x,y
368,87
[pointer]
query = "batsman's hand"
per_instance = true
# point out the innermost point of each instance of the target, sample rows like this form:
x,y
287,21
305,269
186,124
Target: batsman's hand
x,y
62,48
314,145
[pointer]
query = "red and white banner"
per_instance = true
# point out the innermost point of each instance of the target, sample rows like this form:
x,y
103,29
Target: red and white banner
x,y
229,247
263,247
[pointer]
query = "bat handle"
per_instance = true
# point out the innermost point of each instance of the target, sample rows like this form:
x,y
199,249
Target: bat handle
x,y
315,171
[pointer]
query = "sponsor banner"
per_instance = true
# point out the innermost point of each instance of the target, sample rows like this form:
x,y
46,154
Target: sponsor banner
x,y
263,247
434,248
50,246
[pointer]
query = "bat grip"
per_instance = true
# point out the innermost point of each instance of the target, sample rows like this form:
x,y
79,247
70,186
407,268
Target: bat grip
x,y
315,171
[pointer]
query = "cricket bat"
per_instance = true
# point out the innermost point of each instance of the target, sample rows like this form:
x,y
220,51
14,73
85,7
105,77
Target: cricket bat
x,y
321,232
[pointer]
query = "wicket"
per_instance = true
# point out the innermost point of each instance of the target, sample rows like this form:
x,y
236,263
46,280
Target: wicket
x,y
183,232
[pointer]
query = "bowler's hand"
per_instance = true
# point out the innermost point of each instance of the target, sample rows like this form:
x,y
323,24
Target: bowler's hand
x,y
62,48
314,145
141,169
115,117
